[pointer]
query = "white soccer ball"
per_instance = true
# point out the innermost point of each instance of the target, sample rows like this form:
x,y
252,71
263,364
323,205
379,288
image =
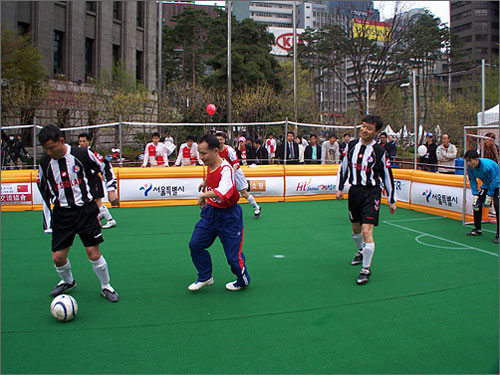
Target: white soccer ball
x,y
422,150
64,307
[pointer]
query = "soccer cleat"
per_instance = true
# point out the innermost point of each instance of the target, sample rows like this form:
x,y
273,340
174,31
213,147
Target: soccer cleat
x,y
358,258
197,285
233,286
257,213
110,295
110,224
364,276
62,287
495,240
474,232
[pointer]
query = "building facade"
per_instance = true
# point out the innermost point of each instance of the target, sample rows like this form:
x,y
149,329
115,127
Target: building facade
x,y
476,23
79,40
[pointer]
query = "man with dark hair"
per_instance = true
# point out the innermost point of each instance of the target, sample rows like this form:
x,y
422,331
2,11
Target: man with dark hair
x,y
289,148
330,153
487,171
63,180
429,160
342,146
261,154
188,153
98,192
312,153
156,153
367,167
220,217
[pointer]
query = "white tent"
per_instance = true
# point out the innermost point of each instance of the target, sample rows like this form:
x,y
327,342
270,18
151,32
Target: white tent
x,y
389,130
490,116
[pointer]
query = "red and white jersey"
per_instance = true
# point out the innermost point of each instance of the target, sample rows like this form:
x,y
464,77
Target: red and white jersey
x,y
221,181
188,156
230,155
271,146
157,156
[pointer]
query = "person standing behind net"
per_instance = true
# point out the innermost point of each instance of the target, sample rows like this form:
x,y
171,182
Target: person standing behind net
x,y
487,171
312,153
271,147
98,192
229,154
330,153
446,153
155,153
220,217
188,153
63,180
367,167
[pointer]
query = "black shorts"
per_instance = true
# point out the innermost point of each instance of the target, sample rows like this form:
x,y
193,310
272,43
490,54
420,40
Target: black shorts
x,y
364,204
96,187
68,222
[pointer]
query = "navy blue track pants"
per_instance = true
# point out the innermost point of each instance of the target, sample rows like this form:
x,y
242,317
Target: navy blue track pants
x,y
227,224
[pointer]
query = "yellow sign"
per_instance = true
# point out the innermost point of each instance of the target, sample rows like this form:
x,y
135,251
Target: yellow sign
x,y
370,29
257,185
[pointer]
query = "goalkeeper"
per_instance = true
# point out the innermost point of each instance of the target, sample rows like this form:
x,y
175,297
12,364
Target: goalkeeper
x,y
487,171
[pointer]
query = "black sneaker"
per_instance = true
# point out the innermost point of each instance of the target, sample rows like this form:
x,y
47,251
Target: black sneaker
x,y
364,276
62,287
358,258
257,213
495,240
474,232
111,296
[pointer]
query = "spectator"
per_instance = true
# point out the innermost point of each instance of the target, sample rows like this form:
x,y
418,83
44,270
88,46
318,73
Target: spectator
x,y
301,149
168,138
490,147
429,160
20,153
345,142
245,152
290,149
155,153
446,153
271,147
304,142
487,171
261,154
312,153
115,152
330,153
188,153
391,148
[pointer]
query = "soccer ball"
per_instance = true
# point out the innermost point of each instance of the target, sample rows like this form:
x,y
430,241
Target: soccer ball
x,y
64,308
422,150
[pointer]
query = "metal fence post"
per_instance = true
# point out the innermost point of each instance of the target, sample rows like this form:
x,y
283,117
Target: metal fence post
x,y
285,141
34,142
120,131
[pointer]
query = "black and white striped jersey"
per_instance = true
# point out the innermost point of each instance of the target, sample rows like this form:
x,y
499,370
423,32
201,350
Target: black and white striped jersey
x,y
366,165
66,182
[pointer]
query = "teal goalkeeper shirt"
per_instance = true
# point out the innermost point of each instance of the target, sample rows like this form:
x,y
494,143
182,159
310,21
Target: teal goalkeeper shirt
x,y
487,172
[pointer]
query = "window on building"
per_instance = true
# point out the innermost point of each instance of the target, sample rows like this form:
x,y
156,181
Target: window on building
x,y
462,27
140,14
494,25
89,58
91,6
139,66
117,54
481,50
117,10
482,37
481,25
481,12
58,52
467,39
23,28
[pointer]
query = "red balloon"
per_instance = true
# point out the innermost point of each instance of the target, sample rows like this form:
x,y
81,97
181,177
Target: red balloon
x,y
211,109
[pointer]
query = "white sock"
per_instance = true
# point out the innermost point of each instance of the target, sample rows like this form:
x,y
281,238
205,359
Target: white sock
x,y
100,267
358,240
368,249
252,201
65,273
103,210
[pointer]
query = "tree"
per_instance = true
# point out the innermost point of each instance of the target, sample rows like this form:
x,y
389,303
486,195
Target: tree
x,y
23,78
252,63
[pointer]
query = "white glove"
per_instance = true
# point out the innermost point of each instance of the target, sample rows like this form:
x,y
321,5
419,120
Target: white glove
x,y
475,202
487,201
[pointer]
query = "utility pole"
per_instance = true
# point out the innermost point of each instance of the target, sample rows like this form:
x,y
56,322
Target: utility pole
x,y
294,17
229,83
160,75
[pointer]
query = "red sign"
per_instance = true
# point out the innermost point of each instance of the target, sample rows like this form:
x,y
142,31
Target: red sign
x,y
16,198
285,41
22,188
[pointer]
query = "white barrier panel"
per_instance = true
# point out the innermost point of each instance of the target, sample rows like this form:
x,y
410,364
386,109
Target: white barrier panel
x,y
311,185
440,196
402,190
159,189
17,193
266,186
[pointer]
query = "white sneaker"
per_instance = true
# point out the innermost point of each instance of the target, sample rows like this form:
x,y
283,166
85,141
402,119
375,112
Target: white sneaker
x,y
233,286
110,224
197,285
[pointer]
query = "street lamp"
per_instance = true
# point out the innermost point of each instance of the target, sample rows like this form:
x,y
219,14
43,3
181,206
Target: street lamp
x,y
414,84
